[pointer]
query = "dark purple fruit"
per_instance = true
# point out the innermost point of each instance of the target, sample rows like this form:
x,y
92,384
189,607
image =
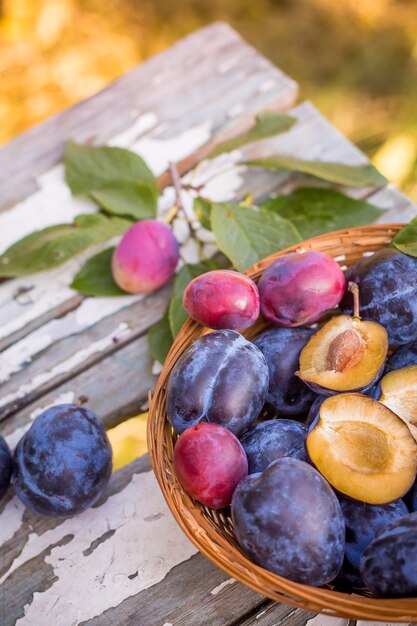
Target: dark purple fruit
x,y
281,347
272,440
363,523
299,287
6,466
221,378
289,521
403,357
388,286
389,564
63,462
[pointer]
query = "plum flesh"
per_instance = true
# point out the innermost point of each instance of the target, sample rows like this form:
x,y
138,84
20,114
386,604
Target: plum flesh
x,y
222,299
389,563
363,449
272,440
289,521
209,462
64,461
299,287
281,347
388,285
220,378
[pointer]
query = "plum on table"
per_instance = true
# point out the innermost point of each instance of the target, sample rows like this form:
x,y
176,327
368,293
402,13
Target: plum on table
x,y
209,462
281,347
389,564
222,299
288,520
346,354
6,466
272,440
388,285
299,287
363,449
146,257
220,378
64,461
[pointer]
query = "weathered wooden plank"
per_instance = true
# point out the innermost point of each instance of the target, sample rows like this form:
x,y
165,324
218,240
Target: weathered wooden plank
x,y
115,388
275,614
205,76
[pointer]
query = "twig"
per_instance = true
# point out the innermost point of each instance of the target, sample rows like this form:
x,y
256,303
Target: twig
x,y
178,206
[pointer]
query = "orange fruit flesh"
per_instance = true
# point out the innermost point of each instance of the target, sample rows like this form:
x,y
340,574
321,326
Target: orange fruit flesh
x,y
314,361
399,393
363,449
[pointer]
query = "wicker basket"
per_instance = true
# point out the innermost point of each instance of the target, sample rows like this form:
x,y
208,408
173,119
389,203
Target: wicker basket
x,y
212,531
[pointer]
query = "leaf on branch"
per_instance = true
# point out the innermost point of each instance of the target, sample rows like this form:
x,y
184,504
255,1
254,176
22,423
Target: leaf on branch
x,y
202,209
248,235
267,124
52,246
117,179
338,173
160,339
406,240
95,278
317,210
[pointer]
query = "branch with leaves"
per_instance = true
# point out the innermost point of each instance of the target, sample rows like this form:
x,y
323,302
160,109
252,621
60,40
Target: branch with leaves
x,y
126,191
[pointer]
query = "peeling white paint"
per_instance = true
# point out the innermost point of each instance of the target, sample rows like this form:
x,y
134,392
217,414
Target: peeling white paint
x,y
13,438
326,620
143,124
67,365
86,586
158,152
11,518
90,311
222,585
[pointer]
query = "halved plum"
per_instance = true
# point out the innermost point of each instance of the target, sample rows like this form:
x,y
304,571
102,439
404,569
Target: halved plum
x,y
347,354
399,393
363,449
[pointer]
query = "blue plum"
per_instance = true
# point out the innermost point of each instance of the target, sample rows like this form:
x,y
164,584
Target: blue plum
x,y
6,466
272,440
389,563
220,378
64,461
281,347
388,287
410,498
404,357
288,520
363,523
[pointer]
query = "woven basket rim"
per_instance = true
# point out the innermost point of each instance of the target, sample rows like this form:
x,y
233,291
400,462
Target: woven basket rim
x,y
192,517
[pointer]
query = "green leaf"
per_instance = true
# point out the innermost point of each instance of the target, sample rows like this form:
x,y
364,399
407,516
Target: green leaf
x,y
267,124
406,240
95,277
177,313
160,339
202,209
339,173
316,210
89,168
247,235
48,248
122,197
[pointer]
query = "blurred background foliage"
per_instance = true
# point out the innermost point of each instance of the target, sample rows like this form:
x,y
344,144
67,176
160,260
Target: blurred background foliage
x,y
356,59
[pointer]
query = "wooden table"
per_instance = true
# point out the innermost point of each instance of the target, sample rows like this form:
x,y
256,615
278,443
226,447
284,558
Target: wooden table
x,y
126,562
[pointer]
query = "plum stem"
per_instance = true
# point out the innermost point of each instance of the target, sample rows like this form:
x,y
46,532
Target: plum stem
x,y
354,290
